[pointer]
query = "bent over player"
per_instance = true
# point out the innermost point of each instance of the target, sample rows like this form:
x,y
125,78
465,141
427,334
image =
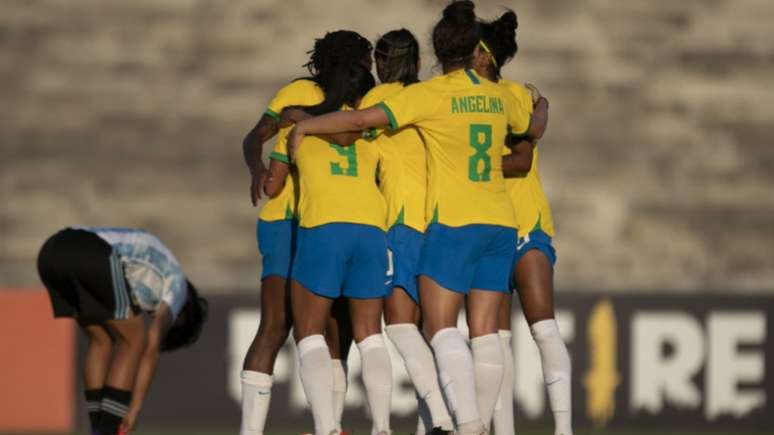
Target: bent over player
x,y
105,279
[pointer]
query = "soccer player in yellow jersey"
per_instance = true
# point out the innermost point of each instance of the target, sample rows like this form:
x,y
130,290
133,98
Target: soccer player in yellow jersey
x,y
403,182
533,270
470,240
341,251
276,228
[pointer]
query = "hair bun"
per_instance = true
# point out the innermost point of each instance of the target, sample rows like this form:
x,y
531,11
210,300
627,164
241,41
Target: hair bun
x,y
508,20
460,13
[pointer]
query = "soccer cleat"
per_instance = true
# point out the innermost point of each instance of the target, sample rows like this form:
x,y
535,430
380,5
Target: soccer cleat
x,y
440,431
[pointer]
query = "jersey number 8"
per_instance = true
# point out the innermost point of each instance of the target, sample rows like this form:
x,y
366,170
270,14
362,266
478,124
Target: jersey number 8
x,y
481,141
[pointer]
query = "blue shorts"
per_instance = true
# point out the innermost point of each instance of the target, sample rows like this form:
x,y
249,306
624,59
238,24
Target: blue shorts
x,y
535,240
276,243
342,259
405,245
471,256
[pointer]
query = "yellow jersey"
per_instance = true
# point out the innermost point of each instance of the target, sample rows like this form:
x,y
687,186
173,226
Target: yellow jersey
x,y
297,93
464,120
337,184
526,192
402,166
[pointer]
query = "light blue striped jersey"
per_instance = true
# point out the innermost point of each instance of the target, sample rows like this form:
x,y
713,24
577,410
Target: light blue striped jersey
x,y
152,271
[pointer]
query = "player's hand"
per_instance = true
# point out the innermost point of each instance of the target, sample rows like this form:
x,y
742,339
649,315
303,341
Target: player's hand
x,y
257,180
533,90
129,423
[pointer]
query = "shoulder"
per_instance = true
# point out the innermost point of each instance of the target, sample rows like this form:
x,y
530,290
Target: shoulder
x,y
295,93
379,93
300,85
517,89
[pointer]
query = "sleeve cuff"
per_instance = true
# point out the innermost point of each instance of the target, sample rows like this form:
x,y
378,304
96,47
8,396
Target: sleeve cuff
x,y
272,114
523,134
279,157
390,115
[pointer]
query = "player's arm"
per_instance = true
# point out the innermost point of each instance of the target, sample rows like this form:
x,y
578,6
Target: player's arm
x,y
519,161
161,322
337,122
539,121
278,173
252,148
294,115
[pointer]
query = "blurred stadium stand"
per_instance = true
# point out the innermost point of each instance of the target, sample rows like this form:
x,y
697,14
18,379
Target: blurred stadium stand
x,y
657,161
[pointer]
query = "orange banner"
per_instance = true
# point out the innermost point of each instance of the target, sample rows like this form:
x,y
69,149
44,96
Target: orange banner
x,y
37,364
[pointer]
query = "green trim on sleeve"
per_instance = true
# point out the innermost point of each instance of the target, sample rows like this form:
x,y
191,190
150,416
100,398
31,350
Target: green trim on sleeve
x,y
272,114
280,157
390,115
523,134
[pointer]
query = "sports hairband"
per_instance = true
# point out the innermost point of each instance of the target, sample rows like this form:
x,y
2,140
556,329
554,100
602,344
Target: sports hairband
x,y
486,48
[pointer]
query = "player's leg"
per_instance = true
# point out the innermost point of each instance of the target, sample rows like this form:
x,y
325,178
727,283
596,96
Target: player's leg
x,y
482,307
402,315
129,337
276,246
375,361
257,374
446,270
55,269
452,354
503,415
95,368
492,278
534,282
366,284
338,335
310,314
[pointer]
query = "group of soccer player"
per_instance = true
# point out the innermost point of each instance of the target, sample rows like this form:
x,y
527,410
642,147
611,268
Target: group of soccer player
x,y
404,201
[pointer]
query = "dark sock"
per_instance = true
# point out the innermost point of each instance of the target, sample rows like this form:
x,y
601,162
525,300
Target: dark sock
x,y
93,405
115,403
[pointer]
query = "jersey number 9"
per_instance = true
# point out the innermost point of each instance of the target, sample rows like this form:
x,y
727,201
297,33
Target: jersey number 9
x,y
351,154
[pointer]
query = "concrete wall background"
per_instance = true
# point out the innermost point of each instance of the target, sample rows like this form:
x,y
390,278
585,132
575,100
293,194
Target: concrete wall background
x,y
657,161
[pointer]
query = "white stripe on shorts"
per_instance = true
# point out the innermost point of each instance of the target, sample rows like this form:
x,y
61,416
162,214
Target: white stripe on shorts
x,y
119,288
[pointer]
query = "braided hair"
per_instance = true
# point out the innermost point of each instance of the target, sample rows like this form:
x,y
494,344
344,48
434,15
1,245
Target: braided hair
x,y
397,57
342,47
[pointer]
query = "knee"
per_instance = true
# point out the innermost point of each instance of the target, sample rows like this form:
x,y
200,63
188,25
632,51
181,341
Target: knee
x,y
545,330
101,342
273,330
482,325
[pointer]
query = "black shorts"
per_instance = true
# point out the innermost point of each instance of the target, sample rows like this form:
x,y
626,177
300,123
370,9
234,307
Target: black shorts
x,y
84,277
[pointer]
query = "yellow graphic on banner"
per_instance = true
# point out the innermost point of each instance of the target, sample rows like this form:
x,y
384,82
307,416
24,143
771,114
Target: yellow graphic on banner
x,y
603,378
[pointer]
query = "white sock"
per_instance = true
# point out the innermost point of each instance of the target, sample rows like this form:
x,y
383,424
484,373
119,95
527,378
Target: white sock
x,y
488,363
339,389
377,378
421,369
317,379
457,375
503,415
256,395
557,372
